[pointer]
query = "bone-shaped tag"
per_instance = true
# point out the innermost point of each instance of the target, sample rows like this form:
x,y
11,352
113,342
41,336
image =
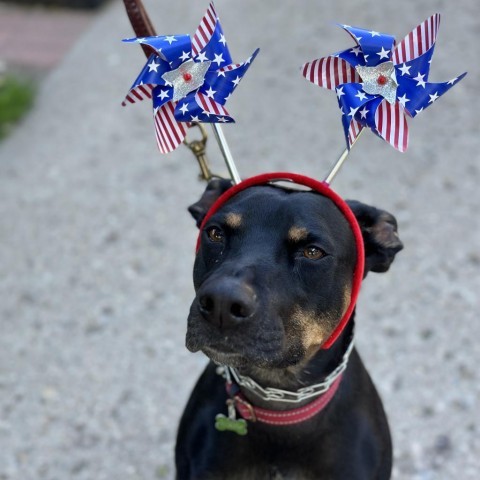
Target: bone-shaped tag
x,y
223,423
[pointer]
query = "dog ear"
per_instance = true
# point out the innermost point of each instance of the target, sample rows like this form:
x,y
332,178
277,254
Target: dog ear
x,y
214,189
380,236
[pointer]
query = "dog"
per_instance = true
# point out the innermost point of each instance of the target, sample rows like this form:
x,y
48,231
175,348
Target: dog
x,y
273,276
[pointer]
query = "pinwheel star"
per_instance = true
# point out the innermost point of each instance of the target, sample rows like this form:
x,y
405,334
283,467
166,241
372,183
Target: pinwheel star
x,y
170,39
152,67
383,53
202,57
404,69
420,80
381,83
219,59
361,95
184,109
163,94
403,100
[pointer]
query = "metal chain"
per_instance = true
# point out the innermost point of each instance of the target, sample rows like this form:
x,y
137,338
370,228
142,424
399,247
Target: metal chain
x,y
278,395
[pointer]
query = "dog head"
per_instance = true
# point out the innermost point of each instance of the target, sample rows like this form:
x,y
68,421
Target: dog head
x,y
274,271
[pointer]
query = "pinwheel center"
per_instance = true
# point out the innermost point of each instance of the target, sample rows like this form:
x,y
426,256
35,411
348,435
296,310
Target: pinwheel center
x,y
187,76
382,80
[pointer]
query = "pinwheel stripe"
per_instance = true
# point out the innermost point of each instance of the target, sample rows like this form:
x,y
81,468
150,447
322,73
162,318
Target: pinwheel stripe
x,y
231,67
172,130
353,131
386,122
329,72
129,99
162,146
136,92
175,129
146,91
163,141
392,125
169,132
210,105
136,95
418,41
204,31
309,69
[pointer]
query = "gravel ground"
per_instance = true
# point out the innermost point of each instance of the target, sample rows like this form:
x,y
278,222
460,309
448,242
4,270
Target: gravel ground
x,y
97,246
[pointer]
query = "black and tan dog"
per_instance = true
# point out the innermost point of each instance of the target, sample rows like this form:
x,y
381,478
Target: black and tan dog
x,y
273,277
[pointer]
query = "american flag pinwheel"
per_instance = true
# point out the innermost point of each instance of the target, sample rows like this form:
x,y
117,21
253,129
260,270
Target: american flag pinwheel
x,y
189,80
377,83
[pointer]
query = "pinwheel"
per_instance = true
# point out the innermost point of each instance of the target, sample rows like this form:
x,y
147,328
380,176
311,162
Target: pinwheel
x,y
378,84
189,80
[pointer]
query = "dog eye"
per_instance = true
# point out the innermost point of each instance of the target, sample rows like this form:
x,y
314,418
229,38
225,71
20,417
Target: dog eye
x,y
215,234
313,253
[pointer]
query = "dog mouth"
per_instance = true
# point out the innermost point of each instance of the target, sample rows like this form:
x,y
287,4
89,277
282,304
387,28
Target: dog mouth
x,y
239,348
235,353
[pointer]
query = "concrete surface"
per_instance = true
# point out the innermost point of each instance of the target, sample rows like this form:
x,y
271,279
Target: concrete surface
x,y
97,247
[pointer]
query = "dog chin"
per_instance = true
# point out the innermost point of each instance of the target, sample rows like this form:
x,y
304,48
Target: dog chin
x,y
229,359
242,361
225,356
217,354
223,352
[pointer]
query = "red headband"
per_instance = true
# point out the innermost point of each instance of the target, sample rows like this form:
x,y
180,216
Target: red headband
x,y
323,189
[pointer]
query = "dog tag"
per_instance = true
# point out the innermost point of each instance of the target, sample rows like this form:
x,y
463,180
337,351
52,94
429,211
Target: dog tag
x,y
231,423
223,423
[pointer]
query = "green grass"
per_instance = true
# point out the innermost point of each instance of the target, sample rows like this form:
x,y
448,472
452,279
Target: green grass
x,y
16,98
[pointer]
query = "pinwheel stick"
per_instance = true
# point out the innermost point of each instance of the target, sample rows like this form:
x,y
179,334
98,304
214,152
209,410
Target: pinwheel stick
x,y
341,160
227,155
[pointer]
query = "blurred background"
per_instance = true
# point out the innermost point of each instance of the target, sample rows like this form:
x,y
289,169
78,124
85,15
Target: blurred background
x,y
97,247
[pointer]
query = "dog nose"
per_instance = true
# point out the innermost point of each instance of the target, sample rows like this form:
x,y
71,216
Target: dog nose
x,y
227,302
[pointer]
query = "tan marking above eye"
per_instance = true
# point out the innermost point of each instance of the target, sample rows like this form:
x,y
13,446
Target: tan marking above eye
x,y
234,220
297,234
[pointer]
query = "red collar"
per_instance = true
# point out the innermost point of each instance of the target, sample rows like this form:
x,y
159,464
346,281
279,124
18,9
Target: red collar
x,y
322,393
286,417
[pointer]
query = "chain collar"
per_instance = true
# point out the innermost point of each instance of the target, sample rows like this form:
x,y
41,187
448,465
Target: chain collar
x,y
277,395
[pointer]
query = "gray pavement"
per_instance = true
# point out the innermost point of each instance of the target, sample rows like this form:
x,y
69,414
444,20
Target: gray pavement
x,y
97,246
